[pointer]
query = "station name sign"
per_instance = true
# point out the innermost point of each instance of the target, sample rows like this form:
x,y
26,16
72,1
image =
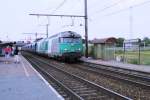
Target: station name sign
x,y
132,44
132,41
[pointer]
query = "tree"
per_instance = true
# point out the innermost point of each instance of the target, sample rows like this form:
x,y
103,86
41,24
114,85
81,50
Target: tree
x,y
120,42
83,41
0,41
146,40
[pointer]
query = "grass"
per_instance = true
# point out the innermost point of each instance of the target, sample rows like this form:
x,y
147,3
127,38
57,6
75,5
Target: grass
x,y
133,57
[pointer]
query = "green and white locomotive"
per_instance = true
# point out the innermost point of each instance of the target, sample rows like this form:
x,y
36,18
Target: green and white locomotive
x,y
64,45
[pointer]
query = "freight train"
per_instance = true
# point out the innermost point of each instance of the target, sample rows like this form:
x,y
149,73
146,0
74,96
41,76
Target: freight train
x,y
66,46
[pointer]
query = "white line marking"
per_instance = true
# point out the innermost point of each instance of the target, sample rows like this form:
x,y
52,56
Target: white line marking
x,y
58,95
25,70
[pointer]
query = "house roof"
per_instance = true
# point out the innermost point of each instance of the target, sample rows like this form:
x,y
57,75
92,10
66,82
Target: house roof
x,y
6,44
104,40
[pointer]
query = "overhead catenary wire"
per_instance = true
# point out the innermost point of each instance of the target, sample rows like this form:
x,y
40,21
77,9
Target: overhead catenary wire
x,y
108,7
122,10
73,17
133,6
59,6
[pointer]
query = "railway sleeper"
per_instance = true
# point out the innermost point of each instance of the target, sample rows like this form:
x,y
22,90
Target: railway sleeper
x,y
86,91
98,98
75,86
81,89
84,88
87,94
72,82
67,98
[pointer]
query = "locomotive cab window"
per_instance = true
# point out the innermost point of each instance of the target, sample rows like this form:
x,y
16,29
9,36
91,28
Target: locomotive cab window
x,y
70,40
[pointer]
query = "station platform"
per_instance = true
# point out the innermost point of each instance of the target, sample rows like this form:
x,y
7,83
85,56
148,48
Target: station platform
x,y
20,81
142,68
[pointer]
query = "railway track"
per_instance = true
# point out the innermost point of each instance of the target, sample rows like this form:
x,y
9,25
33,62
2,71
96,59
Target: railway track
x,y
132,78
76,87
129,87
122,71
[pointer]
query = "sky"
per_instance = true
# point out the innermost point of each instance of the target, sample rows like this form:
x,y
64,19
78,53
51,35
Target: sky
x,y
129,19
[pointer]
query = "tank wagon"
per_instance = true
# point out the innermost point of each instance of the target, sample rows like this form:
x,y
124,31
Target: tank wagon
x,y
64,46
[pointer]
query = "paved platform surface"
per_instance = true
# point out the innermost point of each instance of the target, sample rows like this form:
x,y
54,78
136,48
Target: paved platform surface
x,y
22,82
142,68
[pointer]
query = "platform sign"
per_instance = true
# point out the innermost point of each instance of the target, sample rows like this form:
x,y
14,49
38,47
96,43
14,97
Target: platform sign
x,y
131,46
132,41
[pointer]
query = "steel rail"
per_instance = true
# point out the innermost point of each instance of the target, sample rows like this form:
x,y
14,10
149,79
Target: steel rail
x,y
71,94
128,71
123,71
100,88
97,71
137,83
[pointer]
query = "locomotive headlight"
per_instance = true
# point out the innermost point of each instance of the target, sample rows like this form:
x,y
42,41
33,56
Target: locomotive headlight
x,y
79,49
65,49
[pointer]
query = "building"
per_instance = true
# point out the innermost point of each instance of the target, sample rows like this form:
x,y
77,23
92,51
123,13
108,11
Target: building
x,y
104,48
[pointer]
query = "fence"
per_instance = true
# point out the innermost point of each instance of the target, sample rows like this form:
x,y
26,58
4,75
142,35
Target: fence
x,y
133,55
104,52
136,55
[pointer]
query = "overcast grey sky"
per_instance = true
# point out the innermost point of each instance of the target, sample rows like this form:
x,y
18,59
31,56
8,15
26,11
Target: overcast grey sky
x,y
107,18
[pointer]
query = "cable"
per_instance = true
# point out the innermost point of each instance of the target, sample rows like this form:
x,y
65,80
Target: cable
x,y
76,5
59,6
110,14
110,6
119,11
72,18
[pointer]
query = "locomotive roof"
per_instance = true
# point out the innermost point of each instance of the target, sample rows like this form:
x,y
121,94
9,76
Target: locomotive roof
x,y
66,34
62,34
70,34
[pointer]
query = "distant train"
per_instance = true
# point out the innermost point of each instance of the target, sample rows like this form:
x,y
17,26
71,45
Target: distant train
x,y
64,46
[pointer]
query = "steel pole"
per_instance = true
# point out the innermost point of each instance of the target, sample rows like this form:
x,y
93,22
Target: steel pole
x,y
47,30
86,29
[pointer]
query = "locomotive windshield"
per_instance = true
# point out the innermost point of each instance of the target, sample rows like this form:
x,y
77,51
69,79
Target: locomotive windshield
x,y
70,40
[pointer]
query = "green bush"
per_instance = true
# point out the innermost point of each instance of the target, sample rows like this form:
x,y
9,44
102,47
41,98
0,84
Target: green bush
x,y
133,61
119,52
91,51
